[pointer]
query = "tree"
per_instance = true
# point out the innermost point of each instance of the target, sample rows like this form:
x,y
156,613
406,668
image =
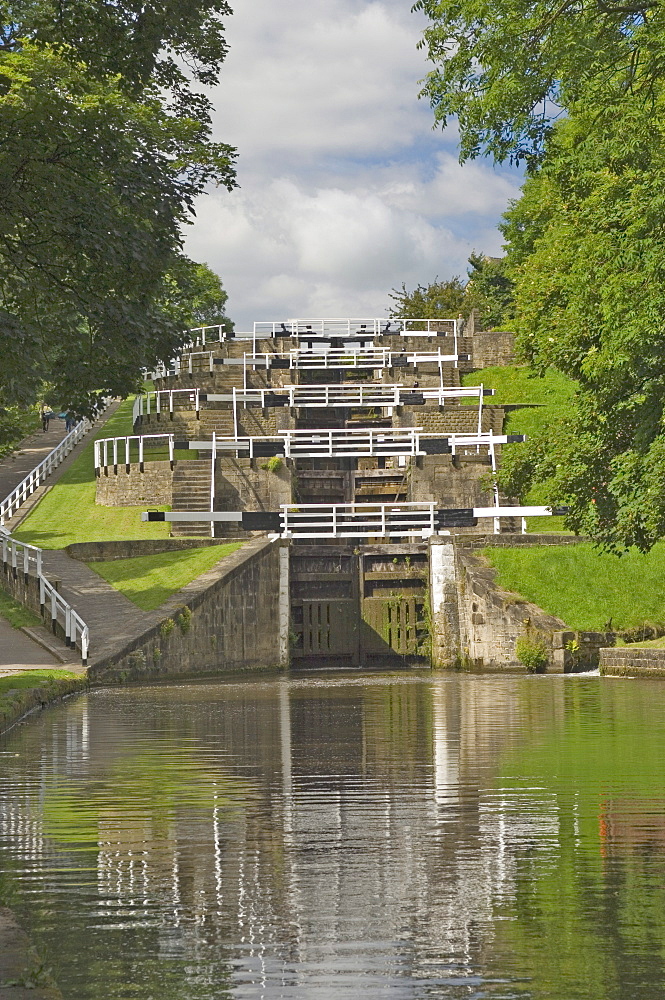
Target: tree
x,y
587,253
506,69
489,290
103,151
208,299
439,300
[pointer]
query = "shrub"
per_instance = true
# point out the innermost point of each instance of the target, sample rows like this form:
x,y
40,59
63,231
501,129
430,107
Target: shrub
x,y
532,653
273,464
185,620
166,627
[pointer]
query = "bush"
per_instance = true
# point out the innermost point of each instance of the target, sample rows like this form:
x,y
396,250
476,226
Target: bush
x,y
532,653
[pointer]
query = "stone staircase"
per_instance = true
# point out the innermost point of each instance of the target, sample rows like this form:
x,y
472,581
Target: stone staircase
x,y
191,491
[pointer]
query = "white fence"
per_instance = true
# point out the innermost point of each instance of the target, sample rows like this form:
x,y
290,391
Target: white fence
x,y
350,327
41,472
380,442
19,557
131,449
373,394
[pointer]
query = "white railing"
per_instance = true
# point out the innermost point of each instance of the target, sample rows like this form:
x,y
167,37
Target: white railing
x,y
318,357
349,442
345,442
41,472
19,557
160,401
130,449
356,520
363,394
350,327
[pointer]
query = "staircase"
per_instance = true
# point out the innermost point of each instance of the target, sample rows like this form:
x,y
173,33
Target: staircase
x,y
191,491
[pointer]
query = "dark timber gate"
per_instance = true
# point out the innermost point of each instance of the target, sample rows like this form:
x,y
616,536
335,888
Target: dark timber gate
x,y
359,607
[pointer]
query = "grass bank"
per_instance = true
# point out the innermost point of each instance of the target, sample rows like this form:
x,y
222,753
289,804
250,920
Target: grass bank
x,y
539,402
68,512
15,613
149,580
586,588
20,693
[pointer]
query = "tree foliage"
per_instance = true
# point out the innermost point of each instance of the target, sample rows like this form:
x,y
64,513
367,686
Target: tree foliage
x,y
587,251
102,155
576,90
489,290
505,69
438,300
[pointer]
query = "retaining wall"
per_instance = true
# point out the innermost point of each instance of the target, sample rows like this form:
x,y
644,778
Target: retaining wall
x,y
624,661
226,621
477,624
493,347
131,489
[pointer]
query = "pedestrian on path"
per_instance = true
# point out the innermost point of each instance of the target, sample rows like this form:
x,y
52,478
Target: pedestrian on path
x,y
46,413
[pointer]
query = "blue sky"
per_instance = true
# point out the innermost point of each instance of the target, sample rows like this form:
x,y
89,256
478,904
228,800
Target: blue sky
x,y
345,189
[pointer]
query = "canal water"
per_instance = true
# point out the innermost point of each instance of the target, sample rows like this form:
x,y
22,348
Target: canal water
x,y
391,836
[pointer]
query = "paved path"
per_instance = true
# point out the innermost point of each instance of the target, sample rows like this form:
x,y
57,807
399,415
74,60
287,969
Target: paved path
x,y
112,618
17,650
31,451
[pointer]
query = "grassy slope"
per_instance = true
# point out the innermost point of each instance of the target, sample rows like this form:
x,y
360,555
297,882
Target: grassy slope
x,y
517,384
68,513
15,613
148,581
586,588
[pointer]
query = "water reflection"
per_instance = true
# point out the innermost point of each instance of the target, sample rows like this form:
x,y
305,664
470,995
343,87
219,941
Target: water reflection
x,y
375,837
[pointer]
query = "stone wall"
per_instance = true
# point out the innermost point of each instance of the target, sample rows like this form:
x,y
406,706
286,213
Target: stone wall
x,y
476,624
228,620
243,484
153,486
627,661
107,551
492,347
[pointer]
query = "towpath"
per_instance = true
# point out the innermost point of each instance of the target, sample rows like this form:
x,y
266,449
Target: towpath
x,y
22,651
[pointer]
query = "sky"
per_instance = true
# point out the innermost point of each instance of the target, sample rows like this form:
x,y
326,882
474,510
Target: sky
x,y
346,191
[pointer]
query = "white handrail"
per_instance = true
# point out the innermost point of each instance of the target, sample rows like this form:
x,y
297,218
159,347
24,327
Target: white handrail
x,y
36,477
25,558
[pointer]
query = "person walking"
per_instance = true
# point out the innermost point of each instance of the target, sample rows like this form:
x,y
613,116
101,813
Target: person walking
x,y
46,413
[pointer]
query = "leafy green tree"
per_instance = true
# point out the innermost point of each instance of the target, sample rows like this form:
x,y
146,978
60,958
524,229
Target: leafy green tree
x,y
103,152
438,300
209,298
505,69
590,289
489,290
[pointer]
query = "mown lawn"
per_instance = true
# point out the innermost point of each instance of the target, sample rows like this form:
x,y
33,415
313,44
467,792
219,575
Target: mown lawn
x,y
586,588
542,401
68,513
149,580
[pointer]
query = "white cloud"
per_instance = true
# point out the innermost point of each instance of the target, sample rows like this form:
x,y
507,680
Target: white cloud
x,y
346,192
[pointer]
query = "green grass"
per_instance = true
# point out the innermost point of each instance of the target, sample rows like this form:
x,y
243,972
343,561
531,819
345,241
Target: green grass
x,y
149,580
68,513
15,613
586,588
545,400
34,679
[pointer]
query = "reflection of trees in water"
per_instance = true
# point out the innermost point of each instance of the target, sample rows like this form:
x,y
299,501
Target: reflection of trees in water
x,y
379,828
